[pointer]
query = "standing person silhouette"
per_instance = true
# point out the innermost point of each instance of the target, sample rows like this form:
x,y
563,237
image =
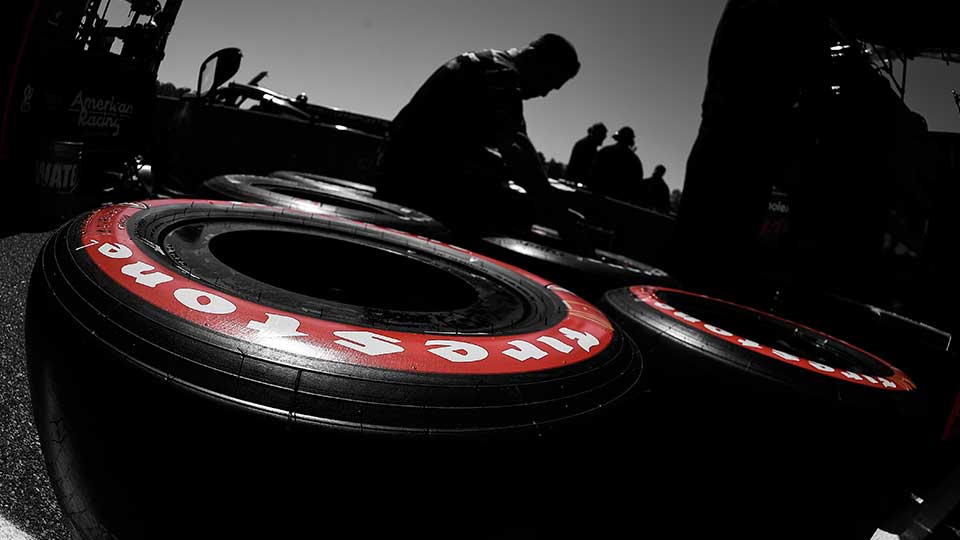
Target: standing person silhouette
x,y
579,168
788,101
451,150
617,167
654,192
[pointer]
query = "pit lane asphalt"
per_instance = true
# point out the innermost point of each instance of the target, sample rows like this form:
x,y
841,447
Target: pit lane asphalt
x,y
26,497
27,502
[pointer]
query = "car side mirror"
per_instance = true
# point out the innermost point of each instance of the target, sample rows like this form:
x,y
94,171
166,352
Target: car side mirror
x,y
217,69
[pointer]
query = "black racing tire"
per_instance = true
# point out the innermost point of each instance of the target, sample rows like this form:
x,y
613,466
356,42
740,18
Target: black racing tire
x,y
324,199
803,408
589,277
313,179
717,351
914,346
218,369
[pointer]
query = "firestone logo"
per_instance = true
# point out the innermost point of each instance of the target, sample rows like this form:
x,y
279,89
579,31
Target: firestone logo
x,y
100,113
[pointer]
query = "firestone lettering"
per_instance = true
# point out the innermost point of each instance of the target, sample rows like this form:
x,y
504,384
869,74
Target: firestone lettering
x,y
138,271
204,302
115,251
457,351
368,343
652,301
556,344
276,326
524,351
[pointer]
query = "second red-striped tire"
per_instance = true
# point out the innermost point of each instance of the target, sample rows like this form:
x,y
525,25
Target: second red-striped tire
x,y
805,435
715,345
210,369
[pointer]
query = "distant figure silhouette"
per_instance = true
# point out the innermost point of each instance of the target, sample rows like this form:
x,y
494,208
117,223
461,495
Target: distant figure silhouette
x,y
453,147
654,192
584,152
617,166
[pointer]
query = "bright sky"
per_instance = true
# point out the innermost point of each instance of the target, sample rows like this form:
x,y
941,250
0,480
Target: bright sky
x,y
643,62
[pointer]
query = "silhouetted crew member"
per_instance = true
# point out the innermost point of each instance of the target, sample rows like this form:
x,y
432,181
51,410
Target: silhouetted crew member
x,y
617,167
584,153
451,149
654,192
777,110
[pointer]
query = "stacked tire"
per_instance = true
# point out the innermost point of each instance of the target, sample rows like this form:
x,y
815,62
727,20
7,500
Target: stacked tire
x,y
323,197
220,369
312,179
588,275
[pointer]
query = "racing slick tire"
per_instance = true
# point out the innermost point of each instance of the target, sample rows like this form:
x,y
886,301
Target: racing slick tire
x,y
324,199
715,351
312,179
791,412
587,276
910,343
221,369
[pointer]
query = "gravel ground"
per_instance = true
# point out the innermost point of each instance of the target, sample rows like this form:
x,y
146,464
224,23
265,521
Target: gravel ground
x,y
26,498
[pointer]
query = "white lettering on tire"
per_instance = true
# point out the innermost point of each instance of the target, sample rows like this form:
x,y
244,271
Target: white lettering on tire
x,y
138,271
851,375
276,326
214,304
524,351
647,295
115,251
368,342
718,331
822,367
785,356
584,340
92,243
684,316
456,351
555,343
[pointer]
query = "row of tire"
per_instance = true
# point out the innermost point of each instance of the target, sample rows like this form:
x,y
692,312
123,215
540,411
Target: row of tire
x,y
293,354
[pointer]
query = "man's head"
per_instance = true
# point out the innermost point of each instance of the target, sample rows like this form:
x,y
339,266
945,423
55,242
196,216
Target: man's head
x,y
624,136
659,171
597,132
546,64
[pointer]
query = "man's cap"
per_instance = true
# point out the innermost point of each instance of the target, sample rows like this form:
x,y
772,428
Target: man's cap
x,y
624,133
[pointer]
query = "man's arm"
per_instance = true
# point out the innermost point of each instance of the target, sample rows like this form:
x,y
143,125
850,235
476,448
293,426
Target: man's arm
x,y
552,211
524,164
